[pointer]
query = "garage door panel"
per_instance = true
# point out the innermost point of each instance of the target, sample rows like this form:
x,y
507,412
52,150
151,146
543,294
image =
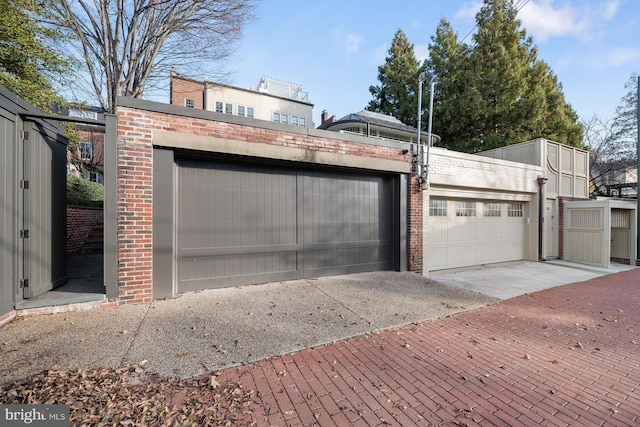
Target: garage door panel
x,y
323,262
454,242
464,231
225,212
438,257
346,228
239,224
490,252
490,231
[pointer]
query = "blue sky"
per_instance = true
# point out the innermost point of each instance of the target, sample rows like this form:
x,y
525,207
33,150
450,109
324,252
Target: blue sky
x,y
333,48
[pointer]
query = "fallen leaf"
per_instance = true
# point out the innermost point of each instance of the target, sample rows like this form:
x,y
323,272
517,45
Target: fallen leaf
x,y
213,383
526,356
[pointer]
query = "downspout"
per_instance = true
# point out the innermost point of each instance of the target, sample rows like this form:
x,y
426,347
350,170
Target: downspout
x,y
205,92
541,181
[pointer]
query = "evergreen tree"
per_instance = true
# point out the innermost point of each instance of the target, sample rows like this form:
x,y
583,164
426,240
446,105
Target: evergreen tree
x,y
448,66
515,96
398,76
28,63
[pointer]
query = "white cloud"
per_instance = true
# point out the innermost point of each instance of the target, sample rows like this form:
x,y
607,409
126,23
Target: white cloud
x,y
544,18
610,9
543,21
622,56
348,43
469,10
352,43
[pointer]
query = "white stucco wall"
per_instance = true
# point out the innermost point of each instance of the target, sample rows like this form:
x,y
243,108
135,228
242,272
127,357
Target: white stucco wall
x,y
264,105
451,171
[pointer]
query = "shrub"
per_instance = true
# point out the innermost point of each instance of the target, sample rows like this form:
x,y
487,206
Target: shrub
x,y
84,193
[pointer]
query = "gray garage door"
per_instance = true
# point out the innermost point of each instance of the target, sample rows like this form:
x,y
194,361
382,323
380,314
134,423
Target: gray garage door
x,y
240,224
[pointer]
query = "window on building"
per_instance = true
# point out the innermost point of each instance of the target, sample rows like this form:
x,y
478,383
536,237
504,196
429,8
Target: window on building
x,y
492,209
95,176
301,121
515,210
85,151
284,118
188,102
465,208
219,106
276,117
437,207
250,112
241,110
294,120
228,108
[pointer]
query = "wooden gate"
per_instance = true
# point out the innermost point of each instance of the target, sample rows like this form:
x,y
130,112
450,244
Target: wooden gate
x,y
32,203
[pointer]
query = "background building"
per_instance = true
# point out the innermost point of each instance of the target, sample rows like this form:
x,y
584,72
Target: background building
x,y
273,100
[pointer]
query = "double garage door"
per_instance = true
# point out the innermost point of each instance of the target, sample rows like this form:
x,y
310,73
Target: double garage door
x,y
240,223
462,233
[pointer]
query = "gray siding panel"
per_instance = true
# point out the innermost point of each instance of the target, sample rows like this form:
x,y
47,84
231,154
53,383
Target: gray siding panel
x,y
163,216
8,215
244,223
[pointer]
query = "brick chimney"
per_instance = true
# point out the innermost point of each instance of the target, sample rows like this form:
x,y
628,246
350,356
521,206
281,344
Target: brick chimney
x,y
326,121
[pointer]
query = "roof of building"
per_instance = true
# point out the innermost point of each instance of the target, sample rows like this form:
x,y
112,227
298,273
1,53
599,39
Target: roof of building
x,y
365,116
266,86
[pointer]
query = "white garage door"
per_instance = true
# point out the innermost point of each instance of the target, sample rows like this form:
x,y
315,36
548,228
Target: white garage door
x,y
462,233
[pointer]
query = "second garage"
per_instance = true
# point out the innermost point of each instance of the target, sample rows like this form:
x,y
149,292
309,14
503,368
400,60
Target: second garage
x,y
464,233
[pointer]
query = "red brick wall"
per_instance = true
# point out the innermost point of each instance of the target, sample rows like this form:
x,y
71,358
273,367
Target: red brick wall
x,y
414,223
182,88
135,184
80,220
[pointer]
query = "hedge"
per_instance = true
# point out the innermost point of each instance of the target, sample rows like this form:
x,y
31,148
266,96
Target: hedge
x,y
83,192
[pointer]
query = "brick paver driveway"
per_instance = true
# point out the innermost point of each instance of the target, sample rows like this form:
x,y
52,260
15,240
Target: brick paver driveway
x,y
567,356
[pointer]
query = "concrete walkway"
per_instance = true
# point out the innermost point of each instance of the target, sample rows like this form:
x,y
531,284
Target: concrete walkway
x,y
508,280
378,348
567,356
214,329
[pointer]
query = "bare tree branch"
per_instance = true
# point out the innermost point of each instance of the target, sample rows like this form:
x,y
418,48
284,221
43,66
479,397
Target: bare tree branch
x,y
127,44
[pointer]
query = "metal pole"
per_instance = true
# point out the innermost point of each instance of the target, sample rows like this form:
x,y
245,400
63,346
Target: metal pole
x,y
426,161
419,151
638,170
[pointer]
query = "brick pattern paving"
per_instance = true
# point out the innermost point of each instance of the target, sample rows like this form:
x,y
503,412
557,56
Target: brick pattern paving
x,y
567,356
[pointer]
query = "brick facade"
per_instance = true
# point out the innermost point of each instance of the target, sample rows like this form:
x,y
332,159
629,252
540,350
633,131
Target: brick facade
x,y
80,221
135,184
415,226
182,88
